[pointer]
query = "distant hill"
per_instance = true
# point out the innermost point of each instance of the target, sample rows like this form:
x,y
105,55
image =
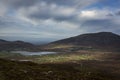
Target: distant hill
x,y
15,45
101,40
3,41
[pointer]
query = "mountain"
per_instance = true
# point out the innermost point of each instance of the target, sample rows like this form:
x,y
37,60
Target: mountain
x,y
101,40
2,41
15,45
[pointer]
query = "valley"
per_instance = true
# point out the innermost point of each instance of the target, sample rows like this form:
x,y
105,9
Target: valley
x,y
71,59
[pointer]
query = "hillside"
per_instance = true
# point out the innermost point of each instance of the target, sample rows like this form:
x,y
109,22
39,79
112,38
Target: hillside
x,y
14,45
101,40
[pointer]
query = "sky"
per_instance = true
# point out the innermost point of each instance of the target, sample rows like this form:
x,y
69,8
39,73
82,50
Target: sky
x,y
50,20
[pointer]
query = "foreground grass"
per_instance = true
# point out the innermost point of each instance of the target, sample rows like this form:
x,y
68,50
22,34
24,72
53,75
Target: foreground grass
x,y
86,70
83,65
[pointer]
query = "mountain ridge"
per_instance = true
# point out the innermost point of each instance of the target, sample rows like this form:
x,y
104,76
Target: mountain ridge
x,y
14,45
102,40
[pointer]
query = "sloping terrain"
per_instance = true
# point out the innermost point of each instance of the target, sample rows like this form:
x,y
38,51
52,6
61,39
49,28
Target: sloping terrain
x,y
15,45
101,40
83,70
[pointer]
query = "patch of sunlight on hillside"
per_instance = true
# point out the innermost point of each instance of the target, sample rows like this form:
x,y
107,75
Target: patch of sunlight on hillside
x,y
64,58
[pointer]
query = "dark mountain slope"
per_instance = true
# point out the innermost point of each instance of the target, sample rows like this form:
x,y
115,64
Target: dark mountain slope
x,y
15,45
102,38
3,41
95,40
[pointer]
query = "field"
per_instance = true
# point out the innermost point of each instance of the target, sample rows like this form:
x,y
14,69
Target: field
x,y
81,65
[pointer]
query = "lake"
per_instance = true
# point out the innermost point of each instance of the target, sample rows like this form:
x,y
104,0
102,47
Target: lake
x,y
27,53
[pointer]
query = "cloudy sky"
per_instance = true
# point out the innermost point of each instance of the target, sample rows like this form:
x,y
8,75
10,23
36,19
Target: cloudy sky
x,y
49,20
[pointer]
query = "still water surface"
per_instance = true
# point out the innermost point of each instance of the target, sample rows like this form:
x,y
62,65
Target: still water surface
x,y
33,53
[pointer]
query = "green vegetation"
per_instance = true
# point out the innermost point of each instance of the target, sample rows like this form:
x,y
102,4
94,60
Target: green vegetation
x,y
86,70
63,58
52,58
6,54
81,65
15,56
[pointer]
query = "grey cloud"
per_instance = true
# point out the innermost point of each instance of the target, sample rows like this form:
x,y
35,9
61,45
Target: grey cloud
x,y
18,3
77,3
45,12
117,13
44,16
110,14
60,2
101,25
21,3
97,22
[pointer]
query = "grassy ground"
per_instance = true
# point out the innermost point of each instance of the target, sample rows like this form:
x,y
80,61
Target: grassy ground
x,y
77,56
83,65
86,70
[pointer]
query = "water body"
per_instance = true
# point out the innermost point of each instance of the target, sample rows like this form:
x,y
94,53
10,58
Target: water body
x,y
26,53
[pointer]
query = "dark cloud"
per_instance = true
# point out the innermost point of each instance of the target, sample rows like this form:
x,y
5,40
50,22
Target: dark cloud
x,y
61,2
25,3
110,14
75,3
101,25
98,22
55,9
44,16
4,23
18,3
117,13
